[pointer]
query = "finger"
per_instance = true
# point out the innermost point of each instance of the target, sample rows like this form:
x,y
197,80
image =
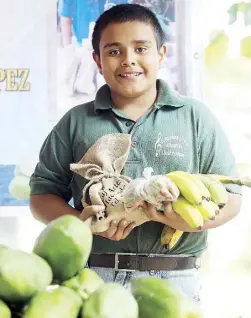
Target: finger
x,y
168,210
85,205
112,229
155,215
151,211
128,230
120,230
94,209
166,194
90,211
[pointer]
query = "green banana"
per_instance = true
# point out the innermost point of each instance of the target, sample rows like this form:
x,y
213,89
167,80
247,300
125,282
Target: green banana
x,y
217,190
208,210
188,212
170,236
189,189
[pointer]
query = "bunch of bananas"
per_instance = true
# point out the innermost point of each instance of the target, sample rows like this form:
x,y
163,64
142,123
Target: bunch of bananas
x,y
202,196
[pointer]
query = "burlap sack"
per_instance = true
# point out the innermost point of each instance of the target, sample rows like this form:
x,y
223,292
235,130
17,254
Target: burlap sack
x,y
102,166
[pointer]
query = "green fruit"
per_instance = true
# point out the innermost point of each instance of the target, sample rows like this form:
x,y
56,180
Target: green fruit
x,y
28,164
19,188
110,300
158,298
4,310
61,302
246,47
22,275
85,283
17,171
66,244
217,48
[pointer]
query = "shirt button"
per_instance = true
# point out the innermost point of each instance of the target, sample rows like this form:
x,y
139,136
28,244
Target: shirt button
x,y
134,144
128,124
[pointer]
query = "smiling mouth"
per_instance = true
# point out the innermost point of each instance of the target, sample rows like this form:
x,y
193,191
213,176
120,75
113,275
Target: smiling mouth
x,y
130,75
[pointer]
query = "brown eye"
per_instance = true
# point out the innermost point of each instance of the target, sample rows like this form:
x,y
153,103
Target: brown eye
x,y
141,50
114,52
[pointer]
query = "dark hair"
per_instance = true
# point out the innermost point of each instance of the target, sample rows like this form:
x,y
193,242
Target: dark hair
x,y
126,13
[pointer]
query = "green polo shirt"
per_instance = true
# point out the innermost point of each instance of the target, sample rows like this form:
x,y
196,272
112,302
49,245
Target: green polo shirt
x,y
177,133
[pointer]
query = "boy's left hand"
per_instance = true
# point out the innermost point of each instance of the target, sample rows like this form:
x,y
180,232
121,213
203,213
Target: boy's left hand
x,y
161,217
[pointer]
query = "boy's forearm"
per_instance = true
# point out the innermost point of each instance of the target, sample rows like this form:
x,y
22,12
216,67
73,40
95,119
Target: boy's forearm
x,y
231,210
47,207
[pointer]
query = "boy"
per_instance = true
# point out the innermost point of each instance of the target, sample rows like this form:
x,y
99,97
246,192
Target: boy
x,y
169,132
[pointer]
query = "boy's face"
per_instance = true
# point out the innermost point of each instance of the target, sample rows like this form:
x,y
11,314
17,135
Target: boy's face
x,y
129,58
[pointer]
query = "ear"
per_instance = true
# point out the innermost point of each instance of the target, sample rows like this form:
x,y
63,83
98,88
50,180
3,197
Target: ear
x,y
162,53
97,61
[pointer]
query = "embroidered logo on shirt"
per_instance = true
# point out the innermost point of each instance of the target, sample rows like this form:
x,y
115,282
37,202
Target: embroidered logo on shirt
x,y
170,146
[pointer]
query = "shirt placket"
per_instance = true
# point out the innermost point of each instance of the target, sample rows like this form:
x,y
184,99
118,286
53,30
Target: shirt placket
x,y
129,126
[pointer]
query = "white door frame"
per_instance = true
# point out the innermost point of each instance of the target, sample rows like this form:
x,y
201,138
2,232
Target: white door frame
x,y
189,39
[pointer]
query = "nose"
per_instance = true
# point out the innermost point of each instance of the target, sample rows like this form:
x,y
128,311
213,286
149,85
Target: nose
x,y
128,59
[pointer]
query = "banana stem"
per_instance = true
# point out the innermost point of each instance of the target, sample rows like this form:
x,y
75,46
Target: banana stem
x,y
231,180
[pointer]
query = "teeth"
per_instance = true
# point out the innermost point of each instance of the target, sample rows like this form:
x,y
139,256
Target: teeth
x,y
130,75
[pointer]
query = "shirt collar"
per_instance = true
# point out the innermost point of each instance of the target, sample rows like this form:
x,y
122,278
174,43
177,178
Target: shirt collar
x,y
166,97
103,98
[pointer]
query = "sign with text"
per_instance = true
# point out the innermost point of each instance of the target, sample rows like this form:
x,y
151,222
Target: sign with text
x,y
15,79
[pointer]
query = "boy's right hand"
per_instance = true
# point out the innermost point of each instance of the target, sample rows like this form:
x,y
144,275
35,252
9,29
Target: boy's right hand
x,y
116,232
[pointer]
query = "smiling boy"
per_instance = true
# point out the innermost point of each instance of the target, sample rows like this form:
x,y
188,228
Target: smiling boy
x,y
169,132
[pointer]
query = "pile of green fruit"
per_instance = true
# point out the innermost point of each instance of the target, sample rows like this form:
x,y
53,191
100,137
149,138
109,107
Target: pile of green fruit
x,y
53,281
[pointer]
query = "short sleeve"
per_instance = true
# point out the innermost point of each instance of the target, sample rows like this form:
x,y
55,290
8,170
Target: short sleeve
x,y
52,174
215,153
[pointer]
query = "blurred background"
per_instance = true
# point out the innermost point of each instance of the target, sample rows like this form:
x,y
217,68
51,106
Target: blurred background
x,y
209,59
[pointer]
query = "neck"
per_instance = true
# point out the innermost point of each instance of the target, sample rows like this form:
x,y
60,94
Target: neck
x,y
135,107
